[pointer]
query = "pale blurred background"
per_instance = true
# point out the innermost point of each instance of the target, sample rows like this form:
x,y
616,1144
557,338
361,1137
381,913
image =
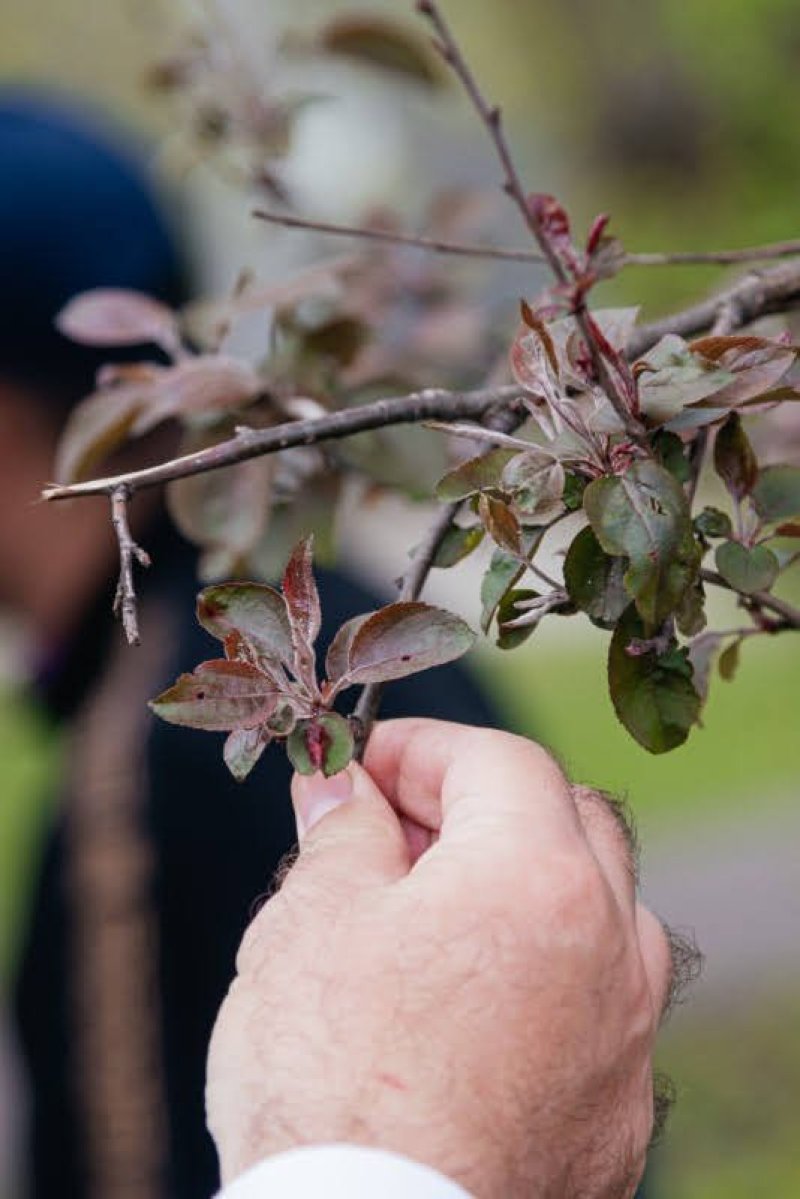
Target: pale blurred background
x,y
682,121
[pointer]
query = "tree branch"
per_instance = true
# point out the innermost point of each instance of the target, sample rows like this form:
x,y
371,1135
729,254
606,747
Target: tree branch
x,y
491,117
776,289
501,423
385,236
758,599
436,245
125,598
252,443
411,585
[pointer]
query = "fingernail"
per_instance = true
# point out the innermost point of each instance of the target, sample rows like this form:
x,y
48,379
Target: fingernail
x,y
315,796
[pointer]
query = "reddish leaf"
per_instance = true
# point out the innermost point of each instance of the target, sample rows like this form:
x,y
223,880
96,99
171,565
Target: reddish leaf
x,y
404,638
734,459
111,316
530,318
253,612
596,232
300,592
323,743
532,362
219,696
757,364
474,474
380,42
208,383
98,425
225,511
500,522
337,660
242,750
553,222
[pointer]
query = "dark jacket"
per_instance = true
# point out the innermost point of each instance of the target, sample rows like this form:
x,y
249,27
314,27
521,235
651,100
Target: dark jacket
x,y
213,847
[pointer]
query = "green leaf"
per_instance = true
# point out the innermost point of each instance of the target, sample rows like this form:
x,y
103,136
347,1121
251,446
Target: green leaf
x,y
404,638
776,495
734,460
702,653
323,743
746,569
644,515
729,660
671,453
574,487
242,750
595,580
653,695
474,475
218,696
713,523
507,611
457,544
690,615
255,612
536,483
676,378
504,571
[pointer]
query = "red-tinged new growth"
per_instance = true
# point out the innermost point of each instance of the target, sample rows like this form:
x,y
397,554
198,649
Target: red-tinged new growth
x,y
266,688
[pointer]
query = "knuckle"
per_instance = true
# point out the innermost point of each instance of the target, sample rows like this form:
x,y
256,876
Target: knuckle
x,y
611,818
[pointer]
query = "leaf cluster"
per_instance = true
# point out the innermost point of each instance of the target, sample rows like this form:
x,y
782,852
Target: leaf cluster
x,y
266,686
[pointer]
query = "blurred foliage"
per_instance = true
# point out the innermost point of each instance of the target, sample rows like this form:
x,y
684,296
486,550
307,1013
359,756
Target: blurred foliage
x,y
554,689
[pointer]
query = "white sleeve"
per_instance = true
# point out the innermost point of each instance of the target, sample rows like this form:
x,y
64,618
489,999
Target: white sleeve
x,y
341,1172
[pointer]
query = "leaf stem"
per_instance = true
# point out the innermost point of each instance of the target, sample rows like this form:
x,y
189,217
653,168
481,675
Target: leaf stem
x,y
125,598
437,245
758,599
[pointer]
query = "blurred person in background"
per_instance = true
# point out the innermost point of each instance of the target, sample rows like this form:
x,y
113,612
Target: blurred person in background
x,y
146,874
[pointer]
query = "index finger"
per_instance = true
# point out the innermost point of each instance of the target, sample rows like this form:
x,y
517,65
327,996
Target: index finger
x,y
452,777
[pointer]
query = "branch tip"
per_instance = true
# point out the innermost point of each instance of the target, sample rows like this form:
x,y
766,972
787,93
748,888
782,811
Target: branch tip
x,y
124,606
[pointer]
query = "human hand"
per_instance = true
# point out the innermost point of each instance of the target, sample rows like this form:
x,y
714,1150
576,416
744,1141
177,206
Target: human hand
x,y
456,968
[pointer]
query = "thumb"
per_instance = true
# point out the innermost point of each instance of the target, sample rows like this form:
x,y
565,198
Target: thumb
x,y
349,833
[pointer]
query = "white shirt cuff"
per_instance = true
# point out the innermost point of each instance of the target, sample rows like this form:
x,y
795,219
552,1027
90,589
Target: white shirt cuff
x,y
341,1172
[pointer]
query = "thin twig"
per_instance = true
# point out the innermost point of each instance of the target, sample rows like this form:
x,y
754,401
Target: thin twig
x,y
758,599
253,443
125,598
757,294
771,250
416,575
387,237
491,117
437,245
411,585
